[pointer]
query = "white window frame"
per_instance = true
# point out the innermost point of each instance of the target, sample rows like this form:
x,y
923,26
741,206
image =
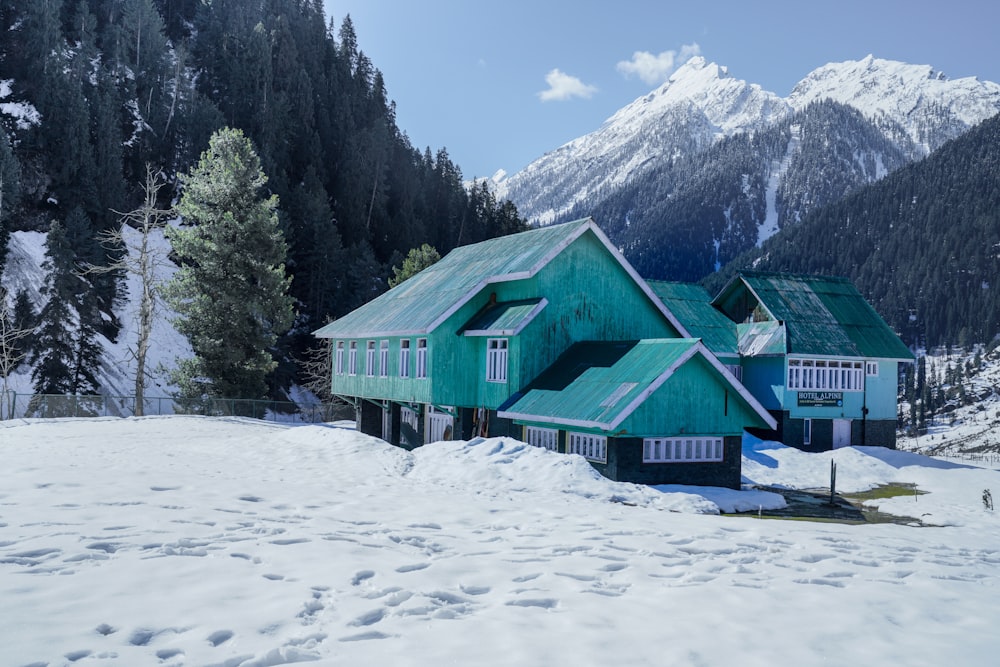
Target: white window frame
x,y
496,360
352,358
404,358
825,375
421,358
370,359
807,431
546,438
589,446
686,449
339,362
871,368
383,359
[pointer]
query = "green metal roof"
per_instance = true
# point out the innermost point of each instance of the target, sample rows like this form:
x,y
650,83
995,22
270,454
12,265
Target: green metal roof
x,y
505,318
420,303
692,305
599,384
822,315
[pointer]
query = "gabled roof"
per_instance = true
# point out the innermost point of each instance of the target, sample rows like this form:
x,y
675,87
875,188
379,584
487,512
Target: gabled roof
x,y
822,315
692,305
421,303
598,384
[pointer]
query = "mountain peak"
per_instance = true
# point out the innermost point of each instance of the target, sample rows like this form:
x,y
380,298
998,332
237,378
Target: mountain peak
x,y
906,94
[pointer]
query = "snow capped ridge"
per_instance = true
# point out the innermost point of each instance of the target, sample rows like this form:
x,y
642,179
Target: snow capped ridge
x,y
930,107
915,107
700,104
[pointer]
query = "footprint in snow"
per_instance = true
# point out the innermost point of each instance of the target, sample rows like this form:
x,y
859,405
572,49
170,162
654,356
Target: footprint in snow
x,y
220,637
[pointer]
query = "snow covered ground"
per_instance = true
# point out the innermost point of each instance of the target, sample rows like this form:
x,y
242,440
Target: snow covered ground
x,y
196,541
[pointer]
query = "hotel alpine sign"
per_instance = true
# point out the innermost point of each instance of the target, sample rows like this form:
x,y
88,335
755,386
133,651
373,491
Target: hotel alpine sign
x,y
821,399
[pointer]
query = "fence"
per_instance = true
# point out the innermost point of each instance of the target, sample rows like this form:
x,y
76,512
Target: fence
x,y
17,406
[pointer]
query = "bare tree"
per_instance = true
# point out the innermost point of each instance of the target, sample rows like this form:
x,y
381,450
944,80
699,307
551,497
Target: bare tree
x,y
12,353
141,258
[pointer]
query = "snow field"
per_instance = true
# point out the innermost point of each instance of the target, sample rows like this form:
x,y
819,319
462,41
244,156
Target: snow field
x,y
193,541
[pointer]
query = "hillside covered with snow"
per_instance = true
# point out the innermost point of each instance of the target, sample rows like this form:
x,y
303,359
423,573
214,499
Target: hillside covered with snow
x,y
915,107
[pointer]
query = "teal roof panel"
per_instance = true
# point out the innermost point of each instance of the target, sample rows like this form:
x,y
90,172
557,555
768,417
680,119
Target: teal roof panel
x,y
692,305
594,383
599,384
423,301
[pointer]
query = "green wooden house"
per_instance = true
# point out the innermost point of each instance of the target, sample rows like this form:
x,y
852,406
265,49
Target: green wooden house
x,y
652,411
438,355
817,356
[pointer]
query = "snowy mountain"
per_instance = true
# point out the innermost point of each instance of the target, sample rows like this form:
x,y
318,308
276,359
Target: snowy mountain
x,y
700,104
929,107
914,107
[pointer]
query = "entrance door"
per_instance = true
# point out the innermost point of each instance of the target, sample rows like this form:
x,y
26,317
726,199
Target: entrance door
x,y
841,433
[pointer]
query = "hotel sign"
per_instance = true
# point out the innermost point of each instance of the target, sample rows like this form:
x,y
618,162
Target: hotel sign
x,y
821,399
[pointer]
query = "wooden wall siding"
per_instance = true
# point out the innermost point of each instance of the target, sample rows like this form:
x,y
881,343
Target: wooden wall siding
x,y
692,401
392,387
591,297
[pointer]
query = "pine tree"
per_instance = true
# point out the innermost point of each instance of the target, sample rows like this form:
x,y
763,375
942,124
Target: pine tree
x,y
416,261
66,352
10,188
231,292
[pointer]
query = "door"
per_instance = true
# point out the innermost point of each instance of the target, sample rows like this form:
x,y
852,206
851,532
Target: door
x,y
841,433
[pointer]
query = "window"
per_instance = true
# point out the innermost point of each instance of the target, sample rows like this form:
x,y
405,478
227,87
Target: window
x,y
404,358
370,359
383,358
682,450
352,359
807,431
496,360
546,438
736,370
871,368
339,367
421,357
825,374
591,447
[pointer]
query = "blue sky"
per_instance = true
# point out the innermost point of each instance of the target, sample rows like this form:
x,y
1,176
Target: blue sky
x,y
500,83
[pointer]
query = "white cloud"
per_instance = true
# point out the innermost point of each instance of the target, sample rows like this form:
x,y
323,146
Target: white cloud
x,y
653,69
563,87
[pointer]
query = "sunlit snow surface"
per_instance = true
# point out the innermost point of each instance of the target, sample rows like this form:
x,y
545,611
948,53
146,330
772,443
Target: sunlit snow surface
x,y
194,541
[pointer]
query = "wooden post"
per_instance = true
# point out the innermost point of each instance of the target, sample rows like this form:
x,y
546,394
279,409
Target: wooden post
x,y
833,480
